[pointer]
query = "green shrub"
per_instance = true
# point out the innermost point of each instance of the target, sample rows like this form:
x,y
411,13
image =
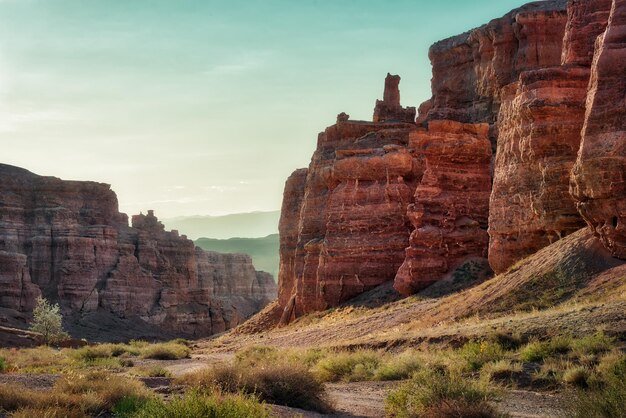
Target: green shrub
x,y
598,343
196,405
576,376
348,367
540,350
501,371
439,394
256,355
282,384
155,371
3,365
476,354
398,367
606,401
165,351
128,406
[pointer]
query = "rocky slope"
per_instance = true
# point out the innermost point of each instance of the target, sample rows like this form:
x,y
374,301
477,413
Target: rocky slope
x,y
485,170
67,241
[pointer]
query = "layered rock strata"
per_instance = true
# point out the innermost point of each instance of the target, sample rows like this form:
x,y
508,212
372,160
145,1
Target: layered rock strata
x,y
526,77
599,179
67,241
344,226
451,204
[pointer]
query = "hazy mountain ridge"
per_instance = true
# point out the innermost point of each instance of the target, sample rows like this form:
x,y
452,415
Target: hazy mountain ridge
x,y
245,225
264,251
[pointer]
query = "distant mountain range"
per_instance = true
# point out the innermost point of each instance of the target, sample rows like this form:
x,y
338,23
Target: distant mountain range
x,y
243,225
264,251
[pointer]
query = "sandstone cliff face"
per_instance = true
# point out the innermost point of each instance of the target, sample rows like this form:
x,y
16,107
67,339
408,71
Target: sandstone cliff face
x,y
451,205
525,78
67,241
598,179
470,70
344,226
539,135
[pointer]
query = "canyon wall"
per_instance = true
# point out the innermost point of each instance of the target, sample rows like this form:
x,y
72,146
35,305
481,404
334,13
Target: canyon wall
x,y
493,167
67,241
599,177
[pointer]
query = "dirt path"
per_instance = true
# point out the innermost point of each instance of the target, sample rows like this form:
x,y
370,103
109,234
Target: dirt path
x,y
367,400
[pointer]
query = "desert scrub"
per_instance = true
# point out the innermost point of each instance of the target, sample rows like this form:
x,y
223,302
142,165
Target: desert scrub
x,y
537,351
501,371
348,367
436,393
165,351
398,367
477,353
42,359
87,394
155,371
198,405
596,344
257,355
283,383
606,398
576,376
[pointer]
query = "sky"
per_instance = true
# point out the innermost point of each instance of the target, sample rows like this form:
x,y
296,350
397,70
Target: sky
x,y
204,107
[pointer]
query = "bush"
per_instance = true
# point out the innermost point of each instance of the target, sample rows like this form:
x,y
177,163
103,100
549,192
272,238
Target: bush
x,y
540,350
476,354
101,391
576,376
42,359
398,367
256,355
348,367
3,365
47,321
439,394
595,344
282,384
155,371
196,405
501,371
165,351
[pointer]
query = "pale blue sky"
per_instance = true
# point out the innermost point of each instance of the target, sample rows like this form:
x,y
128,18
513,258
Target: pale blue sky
x,y
204,107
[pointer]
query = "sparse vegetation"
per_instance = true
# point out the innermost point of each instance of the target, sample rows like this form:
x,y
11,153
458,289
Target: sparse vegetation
x,y
283,383
73,395
199,405
539,350
154,371
606,397
437,393
165,351
349,367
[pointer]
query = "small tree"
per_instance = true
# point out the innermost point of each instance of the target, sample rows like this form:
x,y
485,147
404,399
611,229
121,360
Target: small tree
x,y
47,321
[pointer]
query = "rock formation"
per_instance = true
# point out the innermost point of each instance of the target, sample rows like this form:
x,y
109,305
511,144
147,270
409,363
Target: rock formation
x,y
451,207
344,227
599,177
67,241
389,109
527,83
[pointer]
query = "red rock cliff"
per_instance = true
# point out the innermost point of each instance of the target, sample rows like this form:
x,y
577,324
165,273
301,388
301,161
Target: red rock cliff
x,y
344,226
599,179
526,77
67,241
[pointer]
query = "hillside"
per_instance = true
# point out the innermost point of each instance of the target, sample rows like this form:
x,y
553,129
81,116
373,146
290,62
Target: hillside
x,y
573,287
248,225
264,251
